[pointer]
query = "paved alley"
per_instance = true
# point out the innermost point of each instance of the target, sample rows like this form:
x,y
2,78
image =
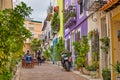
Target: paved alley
x,y
48,72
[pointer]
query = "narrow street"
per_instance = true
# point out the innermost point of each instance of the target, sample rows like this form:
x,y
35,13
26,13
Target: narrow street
x,y
48,72
82,34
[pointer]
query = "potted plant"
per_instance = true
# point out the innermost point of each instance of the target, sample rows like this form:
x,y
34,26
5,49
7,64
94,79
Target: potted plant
x,y
106,74
105,48
93,68
105,41
73,14
55,23
116,68
81,47
90,34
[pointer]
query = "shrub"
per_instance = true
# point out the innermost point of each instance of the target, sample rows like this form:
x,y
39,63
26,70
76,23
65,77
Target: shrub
x,y
93,67
116,67
106,74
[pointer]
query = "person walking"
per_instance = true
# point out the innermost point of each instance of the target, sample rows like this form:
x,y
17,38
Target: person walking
x,y
39,57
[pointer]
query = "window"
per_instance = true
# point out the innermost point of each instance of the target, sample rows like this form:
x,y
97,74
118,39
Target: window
x,y
32,34
72,2
81,6
45,37
39,36
95,45
68,44
66,5
77,36
31,27
49,35
104,27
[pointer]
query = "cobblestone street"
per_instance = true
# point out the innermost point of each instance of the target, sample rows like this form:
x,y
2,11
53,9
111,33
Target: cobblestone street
x,y
48,72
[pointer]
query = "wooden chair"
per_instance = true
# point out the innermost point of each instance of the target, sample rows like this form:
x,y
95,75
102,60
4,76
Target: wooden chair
x,y
23,63
30,64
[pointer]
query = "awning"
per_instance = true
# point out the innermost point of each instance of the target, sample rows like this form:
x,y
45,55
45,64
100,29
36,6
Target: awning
x,y
110,5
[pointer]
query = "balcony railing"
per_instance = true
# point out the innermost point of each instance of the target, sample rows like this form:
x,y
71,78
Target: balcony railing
x,y
93,5
69,16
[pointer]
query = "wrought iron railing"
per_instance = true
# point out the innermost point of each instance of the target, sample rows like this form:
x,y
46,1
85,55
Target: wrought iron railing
x,y
93,5
70,12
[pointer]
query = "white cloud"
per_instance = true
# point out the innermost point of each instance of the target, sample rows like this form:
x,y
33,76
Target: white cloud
x,y
39,8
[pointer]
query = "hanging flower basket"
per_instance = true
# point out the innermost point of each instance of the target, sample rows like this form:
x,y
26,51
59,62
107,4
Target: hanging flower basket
x,y
56,9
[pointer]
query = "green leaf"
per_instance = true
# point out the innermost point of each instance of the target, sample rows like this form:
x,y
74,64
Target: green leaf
x,y
12,36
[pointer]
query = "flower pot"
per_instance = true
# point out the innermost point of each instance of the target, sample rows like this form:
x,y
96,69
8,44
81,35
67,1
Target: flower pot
x,y
93,74
106,74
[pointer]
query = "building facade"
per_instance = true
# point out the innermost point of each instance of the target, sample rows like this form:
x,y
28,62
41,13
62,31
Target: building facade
x,y
97,29
48,37
113,15
35,28
6,4
75,25
106,21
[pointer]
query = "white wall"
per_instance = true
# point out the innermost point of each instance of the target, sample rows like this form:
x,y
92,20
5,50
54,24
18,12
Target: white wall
x,y
92,25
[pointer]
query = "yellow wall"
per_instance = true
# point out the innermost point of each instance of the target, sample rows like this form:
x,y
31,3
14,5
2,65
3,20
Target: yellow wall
x,y
60,4
116,11
37,31
8,4
115,21
37,27
5,4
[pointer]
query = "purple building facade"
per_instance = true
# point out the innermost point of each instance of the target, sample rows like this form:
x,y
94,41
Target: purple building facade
x,y
75,23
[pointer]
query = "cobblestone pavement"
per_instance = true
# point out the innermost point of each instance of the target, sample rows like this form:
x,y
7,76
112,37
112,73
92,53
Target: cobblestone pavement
x,y
48,72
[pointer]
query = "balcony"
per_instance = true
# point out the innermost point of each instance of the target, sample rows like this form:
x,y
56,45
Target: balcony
x,y
70,16
94,5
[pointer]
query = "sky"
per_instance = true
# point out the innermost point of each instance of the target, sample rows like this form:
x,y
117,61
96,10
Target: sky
x,y
39,7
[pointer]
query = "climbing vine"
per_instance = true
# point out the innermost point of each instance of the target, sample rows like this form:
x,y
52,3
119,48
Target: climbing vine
x,y
55,24
59,47
81,47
